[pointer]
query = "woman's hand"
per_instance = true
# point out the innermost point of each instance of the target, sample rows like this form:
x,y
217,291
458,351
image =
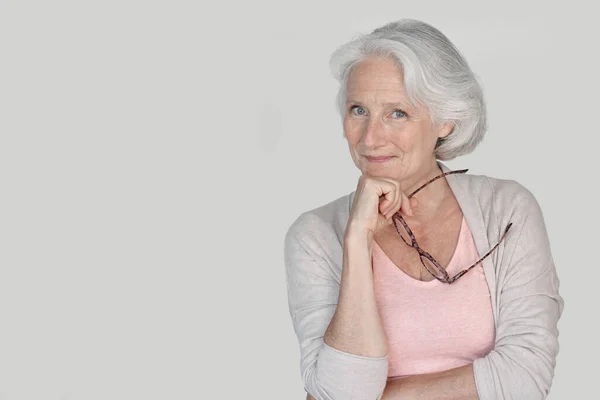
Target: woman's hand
x,y
376,200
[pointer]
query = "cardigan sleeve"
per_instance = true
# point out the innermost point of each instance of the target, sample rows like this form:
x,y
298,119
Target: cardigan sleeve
x,y
313,289
521,365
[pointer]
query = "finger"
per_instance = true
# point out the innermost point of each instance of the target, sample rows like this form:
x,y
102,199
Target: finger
x,y
400,204
387,192
406,205
384,204
397,199
394,205
385,200
388,210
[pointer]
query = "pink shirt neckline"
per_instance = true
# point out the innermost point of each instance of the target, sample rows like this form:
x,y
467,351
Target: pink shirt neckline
x,y
450,267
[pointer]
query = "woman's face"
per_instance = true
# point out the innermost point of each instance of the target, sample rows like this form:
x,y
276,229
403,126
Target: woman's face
x,y
380,121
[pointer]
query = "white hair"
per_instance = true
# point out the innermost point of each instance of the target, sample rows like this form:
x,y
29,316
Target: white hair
x,y
436,75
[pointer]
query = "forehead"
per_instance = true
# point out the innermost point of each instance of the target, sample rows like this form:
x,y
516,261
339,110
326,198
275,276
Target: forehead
x,y
376,79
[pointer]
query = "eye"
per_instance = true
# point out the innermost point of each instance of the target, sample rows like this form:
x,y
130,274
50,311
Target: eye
x,y
359,110
399,114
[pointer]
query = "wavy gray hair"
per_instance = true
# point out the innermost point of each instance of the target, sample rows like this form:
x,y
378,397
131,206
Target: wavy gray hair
x,y
436,75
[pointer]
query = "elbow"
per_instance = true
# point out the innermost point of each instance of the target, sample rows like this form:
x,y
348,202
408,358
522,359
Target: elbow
x,y
336,375
326,388
514,373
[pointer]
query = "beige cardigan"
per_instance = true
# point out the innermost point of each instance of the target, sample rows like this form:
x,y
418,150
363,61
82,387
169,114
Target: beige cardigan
x,y
520,274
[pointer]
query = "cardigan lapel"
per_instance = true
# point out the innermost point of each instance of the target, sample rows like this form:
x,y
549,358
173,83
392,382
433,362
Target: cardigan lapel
x,y
466,197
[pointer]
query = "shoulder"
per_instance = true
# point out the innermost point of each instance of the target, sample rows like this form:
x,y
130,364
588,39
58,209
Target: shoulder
x,y
507,195
498,187
322,225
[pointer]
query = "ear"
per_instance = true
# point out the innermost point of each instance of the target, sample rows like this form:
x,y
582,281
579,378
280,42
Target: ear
x,y
445,129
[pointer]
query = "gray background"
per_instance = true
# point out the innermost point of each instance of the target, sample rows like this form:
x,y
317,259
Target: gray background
x,y
153,154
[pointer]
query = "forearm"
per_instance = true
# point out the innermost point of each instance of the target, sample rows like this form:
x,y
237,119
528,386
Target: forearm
x,y
453,384
356,326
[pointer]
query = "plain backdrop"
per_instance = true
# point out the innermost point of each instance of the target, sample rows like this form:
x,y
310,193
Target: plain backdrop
x,y
154,153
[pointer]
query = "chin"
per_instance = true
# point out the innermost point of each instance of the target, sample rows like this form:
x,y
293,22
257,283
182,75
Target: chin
x,y
381,172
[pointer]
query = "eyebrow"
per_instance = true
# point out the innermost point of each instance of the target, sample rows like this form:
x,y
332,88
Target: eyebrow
x,y
393,104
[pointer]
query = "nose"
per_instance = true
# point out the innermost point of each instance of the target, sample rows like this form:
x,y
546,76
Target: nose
x,y
374,135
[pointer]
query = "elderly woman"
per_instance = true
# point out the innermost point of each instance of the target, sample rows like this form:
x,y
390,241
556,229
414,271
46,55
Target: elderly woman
x,y
423,282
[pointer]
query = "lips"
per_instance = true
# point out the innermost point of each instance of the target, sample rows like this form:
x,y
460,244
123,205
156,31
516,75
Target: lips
x,y
378,158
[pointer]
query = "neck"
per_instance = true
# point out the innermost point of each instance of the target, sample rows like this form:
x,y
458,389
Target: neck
x,y
428,200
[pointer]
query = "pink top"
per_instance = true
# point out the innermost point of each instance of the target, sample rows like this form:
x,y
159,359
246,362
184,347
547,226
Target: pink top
x,y
433,326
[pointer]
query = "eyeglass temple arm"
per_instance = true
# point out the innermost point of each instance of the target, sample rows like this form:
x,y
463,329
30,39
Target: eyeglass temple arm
x,y
458,171
464,271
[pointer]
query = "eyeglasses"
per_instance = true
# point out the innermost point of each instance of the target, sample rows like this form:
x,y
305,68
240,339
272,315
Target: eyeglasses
x,y
430,263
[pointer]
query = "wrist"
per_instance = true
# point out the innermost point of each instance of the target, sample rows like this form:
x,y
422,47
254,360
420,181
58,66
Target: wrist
x,y
358,237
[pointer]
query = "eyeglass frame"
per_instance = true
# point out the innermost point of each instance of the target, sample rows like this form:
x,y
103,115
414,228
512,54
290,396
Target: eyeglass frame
x,y
422,253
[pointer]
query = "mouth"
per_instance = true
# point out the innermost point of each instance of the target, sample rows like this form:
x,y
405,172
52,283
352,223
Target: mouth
x,y
378,160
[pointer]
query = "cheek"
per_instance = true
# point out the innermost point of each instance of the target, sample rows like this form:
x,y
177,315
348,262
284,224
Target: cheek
x,y
412,137
352,132
404,139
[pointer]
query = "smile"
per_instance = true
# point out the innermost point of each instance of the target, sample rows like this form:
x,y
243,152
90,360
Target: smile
x,y
379,159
